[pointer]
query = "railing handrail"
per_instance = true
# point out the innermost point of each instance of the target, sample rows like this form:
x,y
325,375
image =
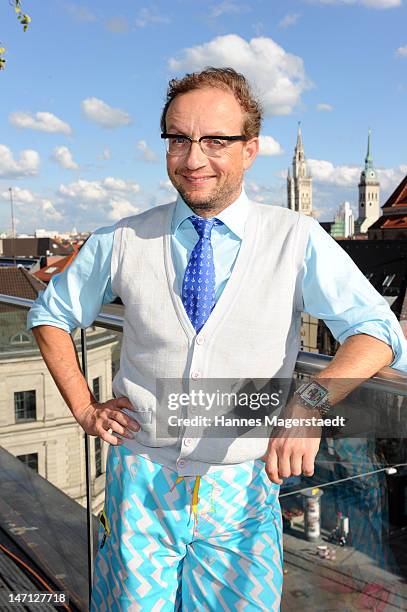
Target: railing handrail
x,y
387,379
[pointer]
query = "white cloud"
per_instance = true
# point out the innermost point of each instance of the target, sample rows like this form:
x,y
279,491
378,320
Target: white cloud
x,y
147,154
289,20
109,198
375,4
107,116
269,146
63,156
267,194
146,17
402,51
80,13
381,4
348,175
117,25
106,153
32,205
167,186
27,165
228,7
322,107
325,172
41,121
278,77
122,208
391,177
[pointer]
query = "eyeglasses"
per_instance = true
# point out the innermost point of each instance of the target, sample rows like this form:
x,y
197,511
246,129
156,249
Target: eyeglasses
x,y
212,146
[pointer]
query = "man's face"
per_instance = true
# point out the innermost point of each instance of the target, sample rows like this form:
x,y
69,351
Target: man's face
x,y
208,184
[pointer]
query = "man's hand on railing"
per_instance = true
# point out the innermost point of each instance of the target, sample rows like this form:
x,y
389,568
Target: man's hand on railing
x,y
106,418
292,451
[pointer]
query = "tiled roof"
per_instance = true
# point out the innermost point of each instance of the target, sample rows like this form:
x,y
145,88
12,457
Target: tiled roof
x,y
16,281
390,222
56,266
398,197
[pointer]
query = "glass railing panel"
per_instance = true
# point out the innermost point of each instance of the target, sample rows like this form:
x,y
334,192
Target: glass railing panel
x,y
345,531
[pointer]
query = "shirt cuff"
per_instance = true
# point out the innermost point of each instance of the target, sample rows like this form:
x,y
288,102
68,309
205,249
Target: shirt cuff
x,y
394,338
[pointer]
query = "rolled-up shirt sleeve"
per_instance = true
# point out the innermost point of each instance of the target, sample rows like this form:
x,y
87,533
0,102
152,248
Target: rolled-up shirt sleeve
x,y
336,291
75,297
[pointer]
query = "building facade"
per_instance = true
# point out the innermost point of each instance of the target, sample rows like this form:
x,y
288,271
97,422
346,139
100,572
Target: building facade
x,y
36,425
343,226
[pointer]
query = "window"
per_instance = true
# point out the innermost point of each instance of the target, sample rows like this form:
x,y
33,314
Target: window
x,y
96,388
30,460
20,338
24,405
98,456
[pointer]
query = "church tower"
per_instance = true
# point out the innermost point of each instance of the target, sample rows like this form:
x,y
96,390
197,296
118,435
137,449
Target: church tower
x,y
299,183
369,194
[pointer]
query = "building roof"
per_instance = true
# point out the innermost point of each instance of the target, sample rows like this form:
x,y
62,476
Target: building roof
x,y
55,265
48,526
34,246
384,263
398,197
390,222
16,281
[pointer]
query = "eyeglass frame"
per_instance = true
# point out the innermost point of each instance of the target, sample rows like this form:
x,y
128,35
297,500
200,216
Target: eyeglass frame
x,y
165,135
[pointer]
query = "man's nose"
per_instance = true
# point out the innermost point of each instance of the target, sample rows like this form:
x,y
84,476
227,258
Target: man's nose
x,y
195,158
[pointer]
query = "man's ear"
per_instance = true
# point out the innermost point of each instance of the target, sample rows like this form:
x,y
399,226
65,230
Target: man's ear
x,y
251,149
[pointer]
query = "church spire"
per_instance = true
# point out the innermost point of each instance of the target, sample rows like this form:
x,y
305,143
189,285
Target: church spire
x,y
299,182
368,158
299,146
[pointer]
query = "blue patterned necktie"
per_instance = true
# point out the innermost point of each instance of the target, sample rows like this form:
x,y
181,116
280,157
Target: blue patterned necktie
x,y
198,287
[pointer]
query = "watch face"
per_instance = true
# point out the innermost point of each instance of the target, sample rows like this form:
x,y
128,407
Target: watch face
x,y
313,394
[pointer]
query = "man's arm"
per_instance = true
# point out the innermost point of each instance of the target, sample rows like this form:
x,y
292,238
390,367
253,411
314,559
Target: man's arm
x,y
359,358
74,299
59,353
336,291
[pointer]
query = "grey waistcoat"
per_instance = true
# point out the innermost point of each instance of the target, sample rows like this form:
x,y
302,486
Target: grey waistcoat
x,y
253,331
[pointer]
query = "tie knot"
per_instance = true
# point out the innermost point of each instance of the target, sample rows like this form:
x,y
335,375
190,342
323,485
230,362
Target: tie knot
x,y
204,227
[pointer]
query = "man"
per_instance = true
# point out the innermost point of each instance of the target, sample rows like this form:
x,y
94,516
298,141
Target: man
x,y
194,523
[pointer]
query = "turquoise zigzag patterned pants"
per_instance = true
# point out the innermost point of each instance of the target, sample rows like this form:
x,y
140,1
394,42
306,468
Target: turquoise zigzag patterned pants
x,y
187,543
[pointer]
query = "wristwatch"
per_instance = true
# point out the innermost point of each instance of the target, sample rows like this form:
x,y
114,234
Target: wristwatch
x,y
313,395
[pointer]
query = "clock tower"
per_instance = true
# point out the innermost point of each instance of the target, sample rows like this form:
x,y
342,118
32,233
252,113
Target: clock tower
x,y
369,194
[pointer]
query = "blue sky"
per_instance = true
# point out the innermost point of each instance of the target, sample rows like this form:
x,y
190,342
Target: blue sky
x,y
83,89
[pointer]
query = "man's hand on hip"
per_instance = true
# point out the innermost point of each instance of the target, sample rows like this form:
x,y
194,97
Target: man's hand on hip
x,y
104,419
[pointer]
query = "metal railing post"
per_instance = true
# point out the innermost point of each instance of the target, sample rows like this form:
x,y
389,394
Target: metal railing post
x,y
89,516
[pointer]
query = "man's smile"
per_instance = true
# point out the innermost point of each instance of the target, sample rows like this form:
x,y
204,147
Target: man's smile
x,y
196,180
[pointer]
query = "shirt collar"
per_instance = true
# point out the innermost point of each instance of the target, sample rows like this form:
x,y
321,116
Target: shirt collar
x,y
233,216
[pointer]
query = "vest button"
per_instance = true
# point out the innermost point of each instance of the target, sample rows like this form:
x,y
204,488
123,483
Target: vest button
x,y
200,340
181,463
187,441
195,374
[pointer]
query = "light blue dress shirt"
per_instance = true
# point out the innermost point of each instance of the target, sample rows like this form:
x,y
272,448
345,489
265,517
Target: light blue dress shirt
x,y
334,289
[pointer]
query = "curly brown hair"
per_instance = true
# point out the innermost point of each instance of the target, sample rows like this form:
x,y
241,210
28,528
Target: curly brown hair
x,y
222,78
